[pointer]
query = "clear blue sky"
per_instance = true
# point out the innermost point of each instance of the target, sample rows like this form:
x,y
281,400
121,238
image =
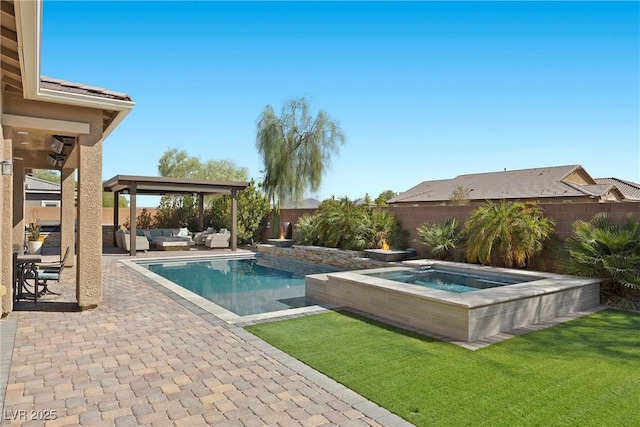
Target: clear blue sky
x,y
422,90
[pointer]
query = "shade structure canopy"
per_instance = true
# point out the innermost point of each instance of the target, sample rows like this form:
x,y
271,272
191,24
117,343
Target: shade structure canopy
x,y
160,185
155,185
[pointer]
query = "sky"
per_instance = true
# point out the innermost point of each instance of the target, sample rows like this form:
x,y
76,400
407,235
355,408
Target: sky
x,y
422,90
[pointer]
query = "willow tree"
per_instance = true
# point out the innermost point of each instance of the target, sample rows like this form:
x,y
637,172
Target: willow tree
x,y
296,150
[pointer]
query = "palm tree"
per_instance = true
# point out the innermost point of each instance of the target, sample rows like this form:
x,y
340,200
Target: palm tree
x,y
604,250
296,150
509,233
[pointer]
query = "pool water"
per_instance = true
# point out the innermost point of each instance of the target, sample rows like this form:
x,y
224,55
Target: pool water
x,y
243,286
458,282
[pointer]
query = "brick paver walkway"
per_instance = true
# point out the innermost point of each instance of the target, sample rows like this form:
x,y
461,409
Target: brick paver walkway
x,y
145,358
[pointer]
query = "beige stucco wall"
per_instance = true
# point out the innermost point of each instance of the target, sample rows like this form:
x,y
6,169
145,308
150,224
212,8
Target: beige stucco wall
x,y
6,207
88,155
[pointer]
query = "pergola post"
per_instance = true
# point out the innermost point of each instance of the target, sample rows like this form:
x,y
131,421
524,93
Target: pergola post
x,y
200,212
116,217
132,219
234,219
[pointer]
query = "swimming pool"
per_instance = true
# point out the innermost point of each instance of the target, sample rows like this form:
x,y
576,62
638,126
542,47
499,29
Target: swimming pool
x,y
242,285
447,280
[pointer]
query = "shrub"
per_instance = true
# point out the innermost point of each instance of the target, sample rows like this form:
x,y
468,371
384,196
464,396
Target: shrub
x,y
441,239
604,250
506,234
307,230
344,224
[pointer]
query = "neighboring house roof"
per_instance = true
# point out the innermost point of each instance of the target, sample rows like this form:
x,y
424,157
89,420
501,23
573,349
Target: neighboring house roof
x,y
631,190
537,183
37,185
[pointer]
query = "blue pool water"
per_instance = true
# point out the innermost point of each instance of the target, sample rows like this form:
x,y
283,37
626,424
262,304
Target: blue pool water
x,y
451,281
243,286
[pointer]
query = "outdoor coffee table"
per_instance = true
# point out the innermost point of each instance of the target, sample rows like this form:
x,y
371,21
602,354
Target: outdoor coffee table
x,y
171,244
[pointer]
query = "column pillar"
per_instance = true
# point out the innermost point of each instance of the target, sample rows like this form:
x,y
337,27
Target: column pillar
x,y
200,212
68,215
6,228
89,213
234,219
133,228
116,216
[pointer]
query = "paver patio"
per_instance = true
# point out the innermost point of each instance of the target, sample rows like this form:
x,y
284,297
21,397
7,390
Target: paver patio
x,y
148,357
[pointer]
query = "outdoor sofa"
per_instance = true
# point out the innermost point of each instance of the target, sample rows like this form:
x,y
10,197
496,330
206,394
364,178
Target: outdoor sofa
x,y
123,240
218,240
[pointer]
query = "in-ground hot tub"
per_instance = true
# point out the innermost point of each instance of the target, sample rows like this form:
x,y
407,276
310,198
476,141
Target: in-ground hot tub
x,y
506,299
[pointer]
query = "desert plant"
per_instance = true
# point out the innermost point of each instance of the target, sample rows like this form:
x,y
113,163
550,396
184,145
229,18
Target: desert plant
x,y
385,228
307,230
343,224
442,239
34,231
507,234
604,250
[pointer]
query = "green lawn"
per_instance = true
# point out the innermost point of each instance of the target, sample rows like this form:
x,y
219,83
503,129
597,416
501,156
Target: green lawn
x,y
585,372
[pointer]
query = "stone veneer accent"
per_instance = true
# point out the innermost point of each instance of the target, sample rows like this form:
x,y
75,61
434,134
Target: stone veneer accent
x,y
348,260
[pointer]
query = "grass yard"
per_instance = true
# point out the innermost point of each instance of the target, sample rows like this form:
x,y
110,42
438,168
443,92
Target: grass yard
x,y
582,373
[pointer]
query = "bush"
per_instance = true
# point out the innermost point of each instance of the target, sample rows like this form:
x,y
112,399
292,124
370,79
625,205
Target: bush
x,y
344,224
506,234
603,250
442,239
307,230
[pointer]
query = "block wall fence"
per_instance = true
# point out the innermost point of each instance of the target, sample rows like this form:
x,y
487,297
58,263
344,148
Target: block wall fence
x,y
564,214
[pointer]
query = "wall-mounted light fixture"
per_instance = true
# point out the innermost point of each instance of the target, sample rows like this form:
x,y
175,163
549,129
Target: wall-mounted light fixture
x,y
56,160
57,143
7,167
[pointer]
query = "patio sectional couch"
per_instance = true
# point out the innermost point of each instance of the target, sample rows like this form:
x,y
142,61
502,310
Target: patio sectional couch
x,y
152,233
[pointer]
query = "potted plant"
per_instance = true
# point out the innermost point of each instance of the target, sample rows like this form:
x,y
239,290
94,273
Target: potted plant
x,y
34,238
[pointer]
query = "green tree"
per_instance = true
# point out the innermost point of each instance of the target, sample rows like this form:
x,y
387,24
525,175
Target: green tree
x,y
382,198
604,250
108,199
296,150
253,211
178,164
47,175
181,211
507,233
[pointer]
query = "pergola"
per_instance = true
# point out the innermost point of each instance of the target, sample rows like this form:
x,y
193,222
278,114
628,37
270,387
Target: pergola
x,y
153,185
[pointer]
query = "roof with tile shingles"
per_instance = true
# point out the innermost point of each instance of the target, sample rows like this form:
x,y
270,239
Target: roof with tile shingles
x,y
517,184
81,88
631,190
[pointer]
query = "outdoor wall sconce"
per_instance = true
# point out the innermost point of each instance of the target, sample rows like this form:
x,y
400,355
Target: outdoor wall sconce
x,y
7,167
57,144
